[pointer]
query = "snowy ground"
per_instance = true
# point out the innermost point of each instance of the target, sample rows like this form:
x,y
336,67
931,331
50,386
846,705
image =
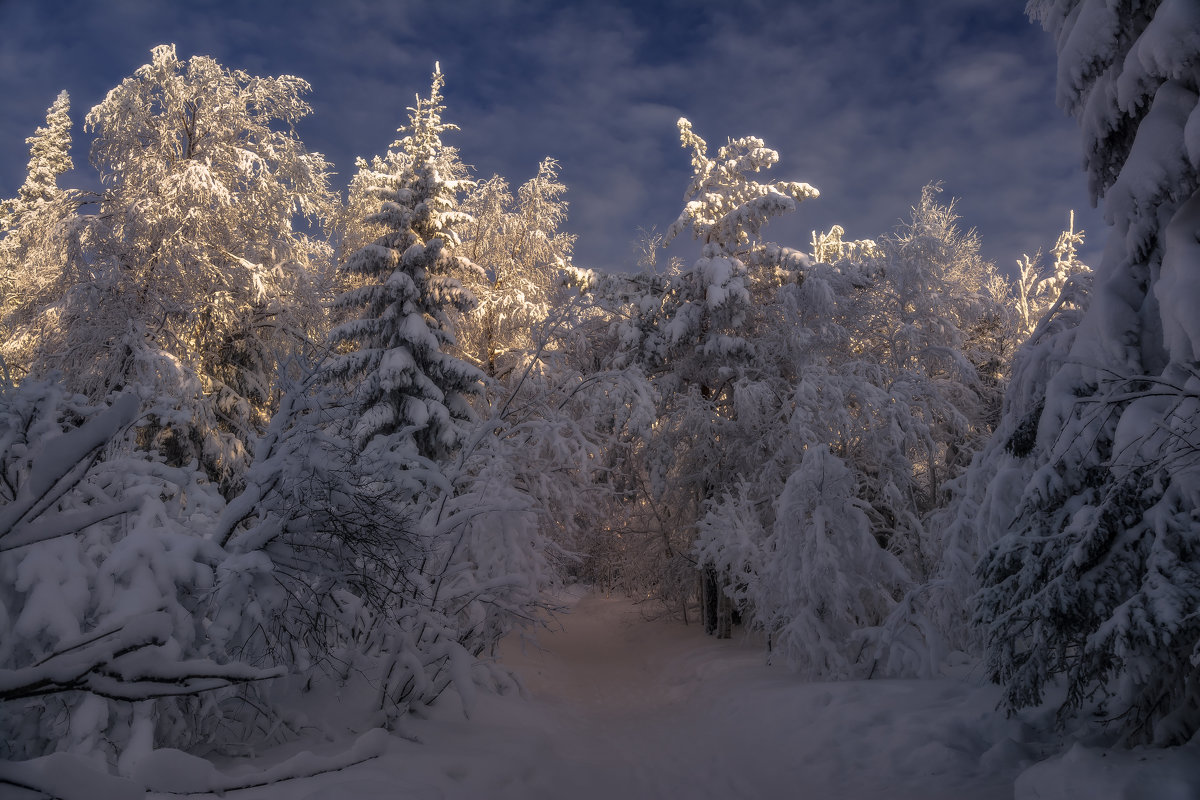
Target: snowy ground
x,y
620,707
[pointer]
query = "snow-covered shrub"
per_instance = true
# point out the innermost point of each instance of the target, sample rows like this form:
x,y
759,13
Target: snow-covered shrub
x,y
377,563
103,569
818,582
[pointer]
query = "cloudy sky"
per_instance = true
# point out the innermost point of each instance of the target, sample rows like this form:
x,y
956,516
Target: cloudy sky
x,y
867,100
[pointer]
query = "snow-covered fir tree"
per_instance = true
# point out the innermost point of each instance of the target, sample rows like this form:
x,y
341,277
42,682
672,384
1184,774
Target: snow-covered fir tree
x,y
396,353
1092,577
38,236
49,157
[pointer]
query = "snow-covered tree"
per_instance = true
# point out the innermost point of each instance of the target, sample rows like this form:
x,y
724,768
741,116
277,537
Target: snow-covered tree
x,y
49,157
692,331
831,248
523,251
1036,290
1093,580
935,618
935,323
820,585
888,356
37,233
103,578
405,540
396,353
194,280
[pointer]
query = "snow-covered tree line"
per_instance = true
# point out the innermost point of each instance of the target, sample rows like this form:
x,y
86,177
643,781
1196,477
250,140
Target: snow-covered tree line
x,y
814,414
881,453
260,440
245,452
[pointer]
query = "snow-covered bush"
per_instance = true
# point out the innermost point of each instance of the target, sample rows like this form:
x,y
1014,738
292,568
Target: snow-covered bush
x,y
104,568
817,582
375,564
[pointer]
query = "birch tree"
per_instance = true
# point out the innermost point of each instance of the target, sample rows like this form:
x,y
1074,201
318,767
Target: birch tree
x,y
195,280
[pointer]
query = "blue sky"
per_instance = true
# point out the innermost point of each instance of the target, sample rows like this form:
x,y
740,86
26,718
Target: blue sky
x,y
867,101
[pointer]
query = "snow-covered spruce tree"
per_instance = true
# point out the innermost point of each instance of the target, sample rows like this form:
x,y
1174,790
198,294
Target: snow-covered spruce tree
x,y
432,550
395,353
105,650
38,234
195,280
49,157
1096,579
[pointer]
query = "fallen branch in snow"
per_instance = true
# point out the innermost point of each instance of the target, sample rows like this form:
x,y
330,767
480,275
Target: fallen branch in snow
x,y
265,781
64,776
171,771
59,466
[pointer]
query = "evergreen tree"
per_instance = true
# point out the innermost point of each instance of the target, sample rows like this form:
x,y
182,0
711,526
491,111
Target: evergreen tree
x,y
49,157
395,353
36,234
1097,578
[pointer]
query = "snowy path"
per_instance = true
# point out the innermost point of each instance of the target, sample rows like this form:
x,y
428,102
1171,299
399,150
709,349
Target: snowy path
x,y
619,707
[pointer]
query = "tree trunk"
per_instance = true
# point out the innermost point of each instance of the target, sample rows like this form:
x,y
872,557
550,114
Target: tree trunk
x,y
709,600
715,606
724,615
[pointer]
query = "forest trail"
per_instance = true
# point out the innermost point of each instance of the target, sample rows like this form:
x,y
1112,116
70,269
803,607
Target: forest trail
x,y
620,706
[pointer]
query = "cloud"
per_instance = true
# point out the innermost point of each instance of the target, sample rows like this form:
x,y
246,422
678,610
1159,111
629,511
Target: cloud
x,y
868,101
